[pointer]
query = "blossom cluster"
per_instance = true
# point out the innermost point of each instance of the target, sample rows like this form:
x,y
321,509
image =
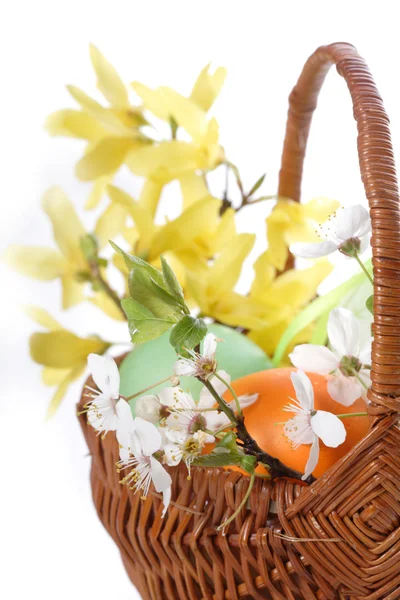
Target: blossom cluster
x,y
169,427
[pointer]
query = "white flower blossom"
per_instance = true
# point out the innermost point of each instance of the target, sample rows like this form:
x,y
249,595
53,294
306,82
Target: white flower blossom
x,y
181,446
347,363
308,426
190,416
105,409
347,231
139,440
199,365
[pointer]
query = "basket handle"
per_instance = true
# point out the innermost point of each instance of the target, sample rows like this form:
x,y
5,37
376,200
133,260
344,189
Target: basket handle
x,y
379,178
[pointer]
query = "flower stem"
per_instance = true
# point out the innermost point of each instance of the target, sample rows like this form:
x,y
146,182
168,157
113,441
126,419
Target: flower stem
x,y
363,267
150,387
241,505
357,376
104,285
356,414
220,401
232,391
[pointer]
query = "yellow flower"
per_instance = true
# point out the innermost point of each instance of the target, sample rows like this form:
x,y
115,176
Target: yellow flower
x,y
68,263
193,237
282,297
62,353
291,222
47,263
174,159
212,286
112,131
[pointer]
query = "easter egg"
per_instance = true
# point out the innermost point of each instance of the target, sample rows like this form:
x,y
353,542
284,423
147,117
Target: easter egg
x,y
264,418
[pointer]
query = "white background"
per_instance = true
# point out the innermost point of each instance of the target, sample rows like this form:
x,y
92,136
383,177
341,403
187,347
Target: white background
x,y
53,545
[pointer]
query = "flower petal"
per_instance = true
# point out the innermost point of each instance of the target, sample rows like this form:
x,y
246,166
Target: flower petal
x,y
313,358
161,478
105,157
207,87
210,346
166,500
345,390
108,81
313,250
329,428
353,221
185,367
304,390
312,459
150,437
105,374
173,454
34,261
344,332
365,352
67,228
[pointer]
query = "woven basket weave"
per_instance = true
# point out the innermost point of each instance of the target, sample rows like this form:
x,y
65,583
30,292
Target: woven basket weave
x,y
355,506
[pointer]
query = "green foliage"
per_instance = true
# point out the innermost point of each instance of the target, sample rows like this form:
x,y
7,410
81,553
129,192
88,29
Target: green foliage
x,y
370,304
317,310
226,453
157,304
187,333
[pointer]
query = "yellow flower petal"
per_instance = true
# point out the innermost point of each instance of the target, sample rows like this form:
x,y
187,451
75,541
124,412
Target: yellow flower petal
x,y
297,287
108,81
105,116
165,161
62,349
62,389
186,113
42,317
74,123
226,270
150,195
34,261
320,209
191,229
211,153
104,158
110,223
153,100
207,87
98,190
226,230
264,276
141,216
72,291
194,187
104,303
67,228
53,377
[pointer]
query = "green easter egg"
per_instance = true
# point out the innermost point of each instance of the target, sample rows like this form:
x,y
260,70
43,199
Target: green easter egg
x,y
153,361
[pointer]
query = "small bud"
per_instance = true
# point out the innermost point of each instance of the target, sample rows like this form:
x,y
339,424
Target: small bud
x,y
174,381
148,408
89,246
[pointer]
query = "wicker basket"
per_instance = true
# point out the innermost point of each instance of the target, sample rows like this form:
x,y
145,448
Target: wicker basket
x,y
341,534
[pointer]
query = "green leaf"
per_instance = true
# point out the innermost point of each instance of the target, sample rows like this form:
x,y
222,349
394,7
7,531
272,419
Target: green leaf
x,y
143,324
315,310
187,333
147,292
370,304
133,262
248,463
257,185
218,458
171,283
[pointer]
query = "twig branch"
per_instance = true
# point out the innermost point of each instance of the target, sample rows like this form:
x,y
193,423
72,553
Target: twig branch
x,y
249,444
